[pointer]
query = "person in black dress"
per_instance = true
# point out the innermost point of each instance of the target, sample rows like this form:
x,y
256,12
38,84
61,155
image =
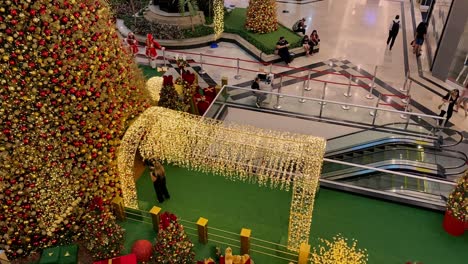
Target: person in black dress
x,y
449,101
158,177
283,50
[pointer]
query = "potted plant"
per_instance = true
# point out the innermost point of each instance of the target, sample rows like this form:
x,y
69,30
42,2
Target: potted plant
x,y
456,219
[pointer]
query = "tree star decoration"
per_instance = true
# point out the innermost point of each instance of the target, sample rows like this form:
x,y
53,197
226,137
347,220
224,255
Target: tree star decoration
x,y
237,152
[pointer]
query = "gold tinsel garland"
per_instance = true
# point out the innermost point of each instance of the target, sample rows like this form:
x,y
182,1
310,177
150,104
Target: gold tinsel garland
x,y
154,86
338,251
237,152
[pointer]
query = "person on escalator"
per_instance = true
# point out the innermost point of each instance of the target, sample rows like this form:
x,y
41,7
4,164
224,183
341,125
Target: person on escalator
x,y
448,102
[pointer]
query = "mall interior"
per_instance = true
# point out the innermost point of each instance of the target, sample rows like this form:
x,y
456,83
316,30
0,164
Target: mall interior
x,y
384,176
347,145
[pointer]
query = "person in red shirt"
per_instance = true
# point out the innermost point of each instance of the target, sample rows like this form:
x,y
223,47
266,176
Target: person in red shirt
x,y
151,53
132,43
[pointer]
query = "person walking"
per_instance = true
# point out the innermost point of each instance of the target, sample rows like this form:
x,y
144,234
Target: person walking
x,y
421,31
393,31
448,102
260,96
158,177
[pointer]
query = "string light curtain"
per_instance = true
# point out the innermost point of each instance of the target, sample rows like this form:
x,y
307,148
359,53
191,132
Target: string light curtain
x,y
238,152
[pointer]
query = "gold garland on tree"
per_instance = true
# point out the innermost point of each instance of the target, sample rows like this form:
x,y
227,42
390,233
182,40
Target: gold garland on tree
x,y
338,251
237,152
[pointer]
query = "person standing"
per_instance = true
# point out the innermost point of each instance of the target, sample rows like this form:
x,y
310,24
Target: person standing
x,y
393,31
448,102
463,99
421,31
300,26
282,46
151,52
158,177
260,96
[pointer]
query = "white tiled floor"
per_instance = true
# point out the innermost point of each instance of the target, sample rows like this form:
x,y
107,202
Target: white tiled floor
x,y
355,30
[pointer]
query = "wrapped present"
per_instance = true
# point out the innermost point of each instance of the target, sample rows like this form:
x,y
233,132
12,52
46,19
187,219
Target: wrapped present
x,y
167,80
69,254
202,103
210,92
50,256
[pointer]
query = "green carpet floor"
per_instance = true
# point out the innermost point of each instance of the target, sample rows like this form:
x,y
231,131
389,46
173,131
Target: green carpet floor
x,y
391,233
149,72
234,23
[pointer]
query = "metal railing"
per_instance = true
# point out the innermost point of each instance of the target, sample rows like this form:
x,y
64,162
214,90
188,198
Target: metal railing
x,y
341,113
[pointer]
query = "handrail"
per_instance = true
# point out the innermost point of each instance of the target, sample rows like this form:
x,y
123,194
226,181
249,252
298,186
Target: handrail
x,y
336,102
390,172
427,151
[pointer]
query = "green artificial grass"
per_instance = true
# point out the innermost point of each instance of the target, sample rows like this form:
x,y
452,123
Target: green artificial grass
x,y
235,21
149,72
391,233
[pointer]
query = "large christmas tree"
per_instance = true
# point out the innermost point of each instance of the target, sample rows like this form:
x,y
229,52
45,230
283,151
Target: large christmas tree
x,y
261,16
172,245
68,90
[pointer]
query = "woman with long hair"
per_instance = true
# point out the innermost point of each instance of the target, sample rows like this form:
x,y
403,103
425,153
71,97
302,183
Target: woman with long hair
x,y
158,177
314,40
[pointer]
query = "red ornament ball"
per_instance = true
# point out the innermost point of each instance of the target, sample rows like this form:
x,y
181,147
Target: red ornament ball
x,y
143,249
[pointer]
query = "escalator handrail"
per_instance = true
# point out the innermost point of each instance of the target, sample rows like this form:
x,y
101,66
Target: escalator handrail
x,y
382,193
387,165
376,142
391,172
442,128
464,158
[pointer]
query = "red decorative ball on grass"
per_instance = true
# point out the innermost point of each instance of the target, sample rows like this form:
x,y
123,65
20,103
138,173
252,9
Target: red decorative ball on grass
x,y
143,249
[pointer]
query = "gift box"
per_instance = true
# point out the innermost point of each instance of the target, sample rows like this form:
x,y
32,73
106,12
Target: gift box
x,y
209,92
202,103
127,259
50,256
68,254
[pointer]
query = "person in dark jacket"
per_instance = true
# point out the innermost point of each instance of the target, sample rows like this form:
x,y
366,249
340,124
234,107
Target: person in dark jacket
x,y
282,46
448,102
421,32
393,31
260,96
158,177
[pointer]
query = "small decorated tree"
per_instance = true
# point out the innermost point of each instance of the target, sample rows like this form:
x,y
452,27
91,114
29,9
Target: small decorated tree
x,y
261,16
168,96
102,236
457,202
172,245
338,251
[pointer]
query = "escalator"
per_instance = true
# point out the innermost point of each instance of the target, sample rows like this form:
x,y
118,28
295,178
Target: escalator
x,y
404,169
